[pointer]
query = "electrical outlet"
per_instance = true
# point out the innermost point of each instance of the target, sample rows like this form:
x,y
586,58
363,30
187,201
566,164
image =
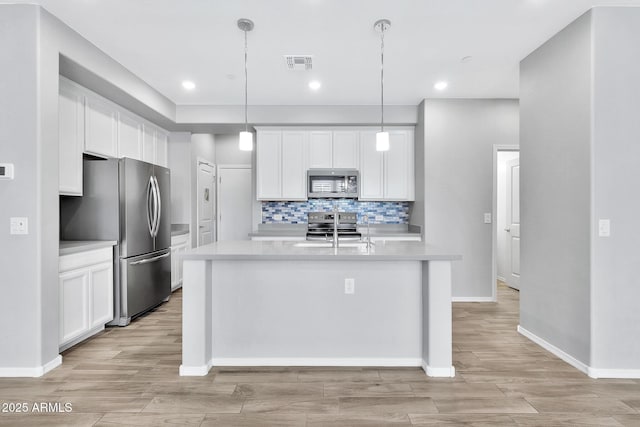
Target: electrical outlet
x,y
349,286
277,217
604,228
19,225
379,218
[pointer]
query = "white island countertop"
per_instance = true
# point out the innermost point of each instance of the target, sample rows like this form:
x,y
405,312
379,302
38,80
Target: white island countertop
x,y
283,250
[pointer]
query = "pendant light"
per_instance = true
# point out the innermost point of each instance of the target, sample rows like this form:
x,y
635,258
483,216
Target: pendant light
x,y
382,137
245,137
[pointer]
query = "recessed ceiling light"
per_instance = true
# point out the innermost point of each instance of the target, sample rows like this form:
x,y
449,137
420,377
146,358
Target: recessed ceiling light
x,y
314,85
440,85
188,85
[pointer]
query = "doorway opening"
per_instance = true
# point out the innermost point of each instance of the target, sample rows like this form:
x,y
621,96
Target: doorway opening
x,y
206,209
506,226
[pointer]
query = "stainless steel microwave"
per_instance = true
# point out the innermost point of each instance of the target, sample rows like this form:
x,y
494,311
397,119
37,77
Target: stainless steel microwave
x,y
332,183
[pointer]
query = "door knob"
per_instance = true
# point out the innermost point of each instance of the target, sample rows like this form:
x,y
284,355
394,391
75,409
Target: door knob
x,y
508,230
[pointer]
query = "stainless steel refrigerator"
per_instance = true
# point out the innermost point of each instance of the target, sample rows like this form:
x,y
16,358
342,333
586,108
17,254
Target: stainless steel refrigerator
x,y
129,201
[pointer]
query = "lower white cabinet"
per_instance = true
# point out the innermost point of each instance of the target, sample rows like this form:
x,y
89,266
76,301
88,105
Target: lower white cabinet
x,y
179,244
85,294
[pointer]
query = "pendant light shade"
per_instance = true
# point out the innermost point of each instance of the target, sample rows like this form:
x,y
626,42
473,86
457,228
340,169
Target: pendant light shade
x,y
245,138
382,137
246,141
382,141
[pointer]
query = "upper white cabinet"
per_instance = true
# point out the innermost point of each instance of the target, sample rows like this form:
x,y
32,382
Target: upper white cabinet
x,y
162,147
100,127
281,166
71,139
387,175
320,149
129,137
294,168
333,149
94,125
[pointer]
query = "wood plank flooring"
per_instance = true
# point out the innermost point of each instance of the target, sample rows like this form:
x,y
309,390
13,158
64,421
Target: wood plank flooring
x,y
129,376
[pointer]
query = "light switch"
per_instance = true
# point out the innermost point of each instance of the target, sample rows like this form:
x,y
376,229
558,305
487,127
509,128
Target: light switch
x,y
349,286
604,228
19,225
487,218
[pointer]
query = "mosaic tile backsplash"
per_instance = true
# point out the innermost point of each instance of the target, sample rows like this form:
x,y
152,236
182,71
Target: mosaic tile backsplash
x,y
296,212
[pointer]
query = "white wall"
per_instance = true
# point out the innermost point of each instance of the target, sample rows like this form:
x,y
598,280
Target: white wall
x,y
227,151
555,194
502,255
459,135
615,317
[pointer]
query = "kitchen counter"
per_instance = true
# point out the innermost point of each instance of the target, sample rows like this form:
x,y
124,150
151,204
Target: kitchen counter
x,y
265,303
270,250
179,229
68,247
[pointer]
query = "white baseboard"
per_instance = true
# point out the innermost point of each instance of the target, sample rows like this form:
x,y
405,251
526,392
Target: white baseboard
x,y
317,361
554,350
500,278
38,371
438,372
614,373
195,371
473,299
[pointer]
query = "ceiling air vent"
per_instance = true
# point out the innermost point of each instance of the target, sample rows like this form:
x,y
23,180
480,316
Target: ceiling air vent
x,y
299,62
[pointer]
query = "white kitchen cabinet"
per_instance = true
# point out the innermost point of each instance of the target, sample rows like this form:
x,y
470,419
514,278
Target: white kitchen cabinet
x,y
269,165
100,128
387,175
129,136
71,138
320,149
148,143
371,168
281,165
179,244
346,149
294,167
85,294
162,145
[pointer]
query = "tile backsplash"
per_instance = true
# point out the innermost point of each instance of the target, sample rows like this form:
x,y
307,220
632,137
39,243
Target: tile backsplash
x,y
296,212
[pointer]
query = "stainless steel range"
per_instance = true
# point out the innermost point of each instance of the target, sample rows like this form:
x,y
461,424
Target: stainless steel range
x,y
322,224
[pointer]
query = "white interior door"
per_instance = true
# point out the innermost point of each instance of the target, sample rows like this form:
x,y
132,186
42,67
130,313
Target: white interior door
x,y
513,223
234,202
206,203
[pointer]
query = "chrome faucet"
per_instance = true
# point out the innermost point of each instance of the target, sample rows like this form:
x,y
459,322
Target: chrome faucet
x,y
366,220
336,222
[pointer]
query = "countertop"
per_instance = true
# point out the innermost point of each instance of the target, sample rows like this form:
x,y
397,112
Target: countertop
x,y
68,247
179,229
300,230
282,250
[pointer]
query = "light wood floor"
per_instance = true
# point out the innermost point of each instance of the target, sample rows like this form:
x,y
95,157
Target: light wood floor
x,y
129,376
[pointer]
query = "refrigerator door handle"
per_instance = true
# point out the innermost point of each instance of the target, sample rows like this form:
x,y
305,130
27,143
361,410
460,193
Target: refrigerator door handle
x,y
155,207
148,260
158,206
150,195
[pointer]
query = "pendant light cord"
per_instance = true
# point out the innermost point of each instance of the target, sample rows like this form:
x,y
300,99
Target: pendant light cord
x,y
245,81
382,77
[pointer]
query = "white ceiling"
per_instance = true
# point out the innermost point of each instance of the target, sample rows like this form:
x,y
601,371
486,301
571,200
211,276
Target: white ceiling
x,y
167,41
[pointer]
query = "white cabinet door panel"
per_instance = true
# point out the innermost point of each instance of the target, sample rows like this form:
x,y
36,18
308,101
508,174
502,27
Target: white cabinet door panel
x,y
101,281
320,149
371,168
74,311
101,128
269,165
129,137
294,169
71,139
396,167
162,142
345,149
148,144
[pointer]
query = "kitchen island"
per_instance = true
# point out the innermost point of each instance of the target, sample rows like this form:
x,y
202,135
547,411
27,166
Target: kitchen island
x,y
258,303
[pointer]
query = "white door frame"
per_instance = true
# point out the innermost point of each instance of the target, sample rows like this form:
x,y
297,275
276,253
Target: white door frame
x,y
200,161
494,225
228,166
